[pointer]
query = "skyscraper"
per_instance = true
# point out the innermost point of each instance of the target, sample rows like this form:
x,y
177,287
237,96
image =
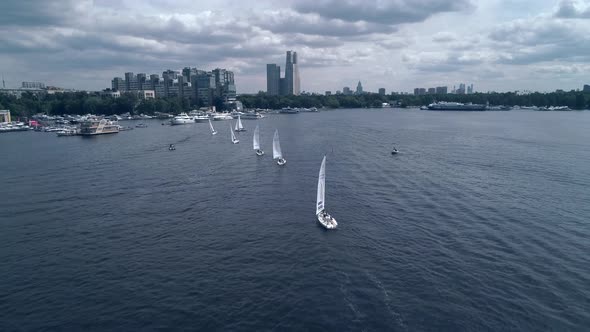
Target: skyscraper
x,y
292,82
273,79
288,85
359,88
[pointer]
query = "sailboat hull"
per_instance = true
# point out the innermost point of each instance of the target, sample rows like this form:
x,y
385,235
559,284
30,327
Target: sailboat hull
x,y
259,153
236,141
281,161
327,221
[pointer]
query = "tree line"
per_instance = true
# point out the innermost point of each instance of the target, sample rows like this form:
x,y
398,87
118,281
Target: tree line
x,y
83,103
572,99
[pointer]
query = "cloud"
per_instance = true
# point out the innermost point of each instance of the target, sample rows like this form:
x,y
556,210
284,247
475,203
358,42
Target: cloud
x,y
380,11
572,9
540,39
289,21
444,37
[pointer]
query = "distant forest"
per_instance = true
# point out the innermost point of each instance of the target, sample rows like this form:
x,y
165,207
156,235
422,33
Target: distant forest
x,y
83,103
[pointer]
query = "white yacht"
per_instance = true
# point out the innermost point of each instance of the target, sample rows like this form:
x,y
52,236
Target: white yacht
x,y
201,118
251,116
276,150
181,119
324,218
222,116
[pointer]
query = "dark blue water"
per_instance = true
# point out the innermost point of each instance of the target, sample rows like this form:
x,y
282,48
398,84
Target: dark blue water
x,y
482,222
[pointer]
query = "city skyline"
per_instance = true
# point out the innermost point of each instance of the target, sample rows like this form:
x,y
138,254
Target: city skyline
x,y
498,45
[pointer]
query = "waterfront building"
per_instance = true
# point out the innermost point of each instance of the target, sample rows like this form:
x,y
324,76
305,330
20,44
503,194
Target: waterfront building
x,y
382,91
431,91
441,90
110,93
32,85
346,91
586,88
419,91
328,93
5,116
118,84
190,83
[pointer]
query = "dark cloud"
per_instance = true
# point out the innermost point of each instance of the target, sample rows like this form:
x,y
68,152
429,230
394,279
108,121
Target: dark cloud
x,y
37,13
380,12
568,9
289,22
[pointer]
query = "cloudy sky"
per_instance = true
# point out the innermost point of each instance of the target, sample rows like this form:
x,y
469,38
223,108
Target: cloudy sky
x,y
500,45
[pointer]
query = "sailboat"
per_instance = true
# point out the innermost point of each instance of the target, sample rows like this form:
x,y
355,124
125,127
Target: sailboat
x,y
233,137
323,217
213,132
256,142
276,150
239,126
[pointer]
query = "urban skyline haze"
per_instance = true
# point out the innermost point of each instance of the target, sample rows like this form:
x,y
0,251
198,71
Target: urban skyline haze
x,y
499,45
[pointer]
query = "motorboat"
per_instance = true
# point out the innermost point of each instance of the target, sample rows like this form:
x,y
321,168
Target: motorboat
x,y
394,151
222,116
141,125
201,118
171,147
181,119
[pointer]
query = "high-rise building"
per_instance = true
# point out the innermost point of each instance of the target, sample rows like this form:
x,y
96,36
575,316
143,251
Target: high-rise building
x,y
359,88
441,90
586,88
273,79
33,85
118,84
382,91
328,93
461,90
292,82
470,89
346,91
431,91
419,91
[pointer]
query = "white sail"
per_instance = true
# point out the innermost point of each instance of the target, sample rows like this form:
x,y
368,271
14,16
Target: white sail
x,y
321,188
236,126
256,140
233,137
276,146
211,126
239,125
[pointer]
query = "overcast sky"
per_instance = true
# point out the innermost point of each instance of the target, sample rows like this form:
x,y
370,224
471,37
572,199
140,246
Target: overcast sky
x,y
500,45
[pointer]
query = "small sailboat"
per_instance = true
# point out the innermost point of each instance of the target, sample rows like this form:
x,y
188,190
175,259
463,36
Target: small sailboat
x,y
239,126
256,142
234,140
394,151
213,132
323,217
276,150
